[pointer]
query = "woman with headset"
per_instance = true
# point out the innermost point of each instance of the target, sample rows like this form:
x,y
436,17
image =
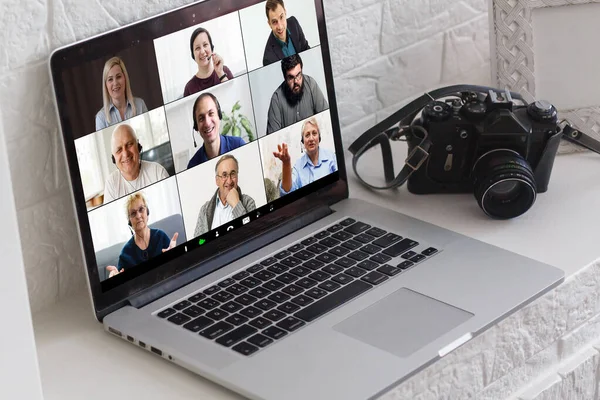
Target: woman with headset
x,y
119,102
146,242
211,68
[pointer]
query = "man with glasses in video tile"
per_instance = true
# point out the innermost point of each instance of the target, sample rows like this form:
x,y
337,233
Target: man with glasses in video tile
x,y
286,36
228,202
297,98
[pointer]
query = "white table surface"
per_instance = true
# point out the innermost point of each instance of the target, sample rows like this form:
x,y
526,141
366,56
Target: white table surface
x,y
78,360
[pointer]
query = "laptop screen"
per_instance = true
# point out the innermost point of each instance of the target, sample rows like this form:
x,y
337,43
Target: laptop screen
x,y
185,128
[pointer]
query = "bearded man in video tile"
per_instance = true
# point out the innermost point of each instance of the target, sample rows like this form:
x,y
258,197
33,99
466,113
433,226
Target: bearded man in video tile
x,y
297,98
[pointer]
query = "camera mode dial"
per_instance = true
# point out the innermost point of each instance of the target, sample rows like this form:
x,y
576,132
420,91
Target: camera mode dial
x,y
437,111
474,110
542,111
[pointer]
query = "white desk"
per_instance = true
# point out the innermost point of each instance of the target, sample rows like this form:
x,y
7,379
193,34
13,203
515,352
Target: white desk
x,y
79,361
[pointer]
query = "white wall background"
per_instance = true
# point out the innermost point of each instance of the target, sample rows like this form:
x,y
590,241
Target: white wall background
x,y
265,81
175,64
180,122
384,53
256,30
291,136
197,185
109,223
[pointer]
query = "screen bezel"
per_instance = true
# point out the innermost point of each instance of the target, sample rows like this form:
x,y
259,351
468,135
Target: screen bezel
x,y
323,192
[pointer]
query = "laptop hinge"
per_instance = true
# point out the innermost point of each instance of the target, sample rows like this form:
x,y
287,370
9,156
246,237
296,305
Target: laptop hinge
x,y
280,229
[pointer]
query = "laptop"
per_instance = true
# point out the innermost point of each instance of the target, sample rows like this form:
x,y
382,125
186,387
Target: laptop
x,y
207,172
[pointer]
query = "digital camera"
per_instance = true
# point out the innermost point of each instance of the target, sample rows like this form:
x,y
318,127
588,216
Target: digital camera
x,y
487,144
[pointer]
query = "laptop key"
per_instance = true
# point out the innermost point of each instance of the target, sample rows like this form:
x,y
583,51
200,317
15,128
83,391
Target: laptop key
x,y
223,296
417,258
236,335
358,255
226,282
329,242
347,222
400,247
355,272
231,307
259,292
178,319
292,290
374,278
387,240
380,258
264,275
268,261
211,290
342,279
291,262
374,231
181,305
364,238
208,304
313,264
217,314
357,227
335,228
251,282
216,330
198,324
260,340
319,276
332,269
368,265
273,285
300,271
408,255
283,254
339,251
351,244
260,322
287,278
429,251
306,283
295,248
345,262
193,311
290,324
278,268
370,249
236,319
330,286
405,264
197,297
236,289
304,255
309,241
326,257
342,235
251,312
245,348
302,300
322,234
166,313
389,270
288,307
245,299
265,304
316,293
316,248
241,275
274,315
279,297
255,268
274,332
332,301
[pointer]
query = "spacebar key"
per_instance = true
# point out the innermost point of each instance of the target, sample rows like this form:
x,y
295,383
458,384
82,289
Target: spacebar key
x,y
332,301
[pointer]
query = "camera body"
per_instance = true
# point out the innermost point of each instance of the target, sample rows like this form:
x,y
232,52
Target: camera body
x,y
488,145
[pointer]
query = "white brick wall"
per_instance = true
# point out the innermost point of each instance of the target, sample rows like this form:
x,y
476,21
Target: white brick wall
x,y
384,52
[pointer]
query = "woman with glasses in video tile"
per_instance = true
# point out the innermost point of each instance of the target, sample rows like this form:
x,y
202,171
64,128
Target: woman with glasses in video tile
x,y
146,242
119,102
211,67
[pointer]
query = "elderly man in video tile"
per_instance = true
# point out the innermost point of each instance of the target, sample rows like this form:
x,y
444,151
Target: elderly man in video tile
x,y
297,98
207,121
315,162
286,38
228,202
132,172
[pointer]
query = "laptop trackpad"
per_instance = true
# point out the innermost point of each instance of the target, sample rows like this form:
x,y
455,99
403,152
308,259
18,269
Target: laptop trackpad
x,y
403,322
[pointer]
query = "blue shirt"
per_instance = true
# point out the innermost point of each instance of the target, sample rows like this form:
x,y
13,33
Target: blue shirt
x,y
305,172
115,115
131,255
228,143
287,47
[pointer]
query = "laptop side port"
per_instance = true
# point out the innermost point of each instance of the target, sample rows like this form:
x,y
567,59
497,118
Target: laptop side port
x,y
142,344
115,332
156,351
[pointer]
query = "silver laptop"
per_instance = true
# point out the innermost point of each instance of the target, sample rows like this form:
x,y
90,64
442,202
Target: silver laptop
x,y
208,178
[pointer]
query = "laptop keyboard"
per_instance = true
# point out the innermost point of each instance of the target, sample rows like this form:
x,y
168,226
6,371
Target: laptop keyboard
x,y
289,289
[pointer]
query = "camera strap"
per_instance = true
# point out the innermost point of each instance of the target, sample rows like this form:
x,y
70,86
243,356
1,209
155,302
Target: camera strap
x,y
576,136
382,133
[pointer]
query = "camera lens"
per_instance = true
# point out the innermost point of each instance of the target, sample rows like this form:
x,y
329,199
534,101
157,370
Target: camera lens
x,y
504,184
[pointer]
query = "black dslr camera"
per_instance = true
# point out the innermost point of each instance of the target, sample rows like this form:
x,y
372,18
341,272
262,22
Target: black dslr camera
x,y
488,145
